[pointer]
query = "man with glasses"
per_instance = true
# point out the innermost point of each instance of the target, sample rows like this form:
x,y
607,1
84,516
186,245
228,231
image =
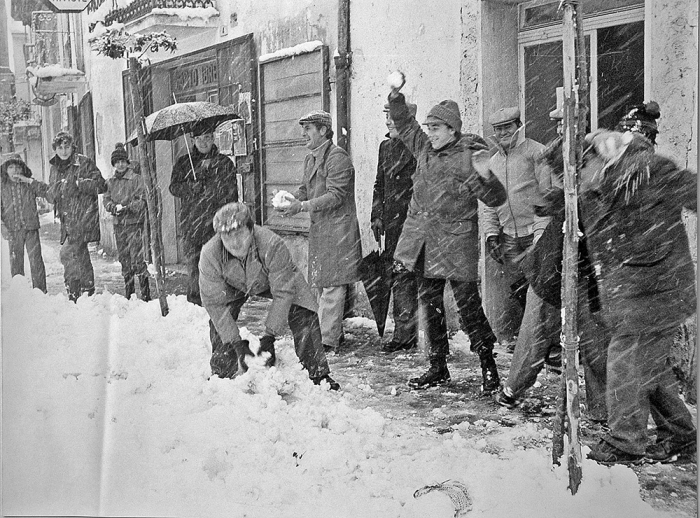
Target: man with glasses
x,y
204,180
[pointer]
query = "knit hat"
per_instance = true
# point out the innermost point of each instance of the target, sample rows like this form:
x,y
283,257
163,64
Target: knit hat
x,y
641,119
232,216
412,108
446,111
505,116
62,137
317,117
119,153
12,158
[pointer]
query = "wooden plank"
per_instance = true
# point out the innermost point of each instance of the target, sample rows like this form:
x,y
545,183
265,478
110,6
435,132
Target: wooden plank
x,y
296,86
293,66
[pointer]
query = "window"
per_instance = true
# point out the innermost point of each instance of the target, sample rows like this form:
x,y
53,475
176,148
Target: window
x,y
291,87
615,53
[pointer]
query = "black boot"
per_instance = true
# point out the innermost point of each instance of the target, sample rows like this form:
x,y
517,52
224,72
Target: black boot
x,y
73,289
437,375
145,287
129,288
489,371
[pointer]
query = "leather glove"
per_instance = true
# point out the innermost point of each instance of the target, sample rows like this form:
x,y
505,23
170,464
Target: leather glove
x,y
242,349
267,345
378,229
494,246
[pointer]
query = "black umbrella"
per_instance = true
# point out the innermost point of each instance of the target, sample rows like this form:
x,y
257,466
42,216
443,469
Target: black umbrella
x,y
177,119
375,272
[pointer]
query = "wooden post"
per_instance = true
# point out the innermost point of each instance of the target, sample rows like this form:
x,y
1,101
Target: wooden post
x,y
151,187
570,338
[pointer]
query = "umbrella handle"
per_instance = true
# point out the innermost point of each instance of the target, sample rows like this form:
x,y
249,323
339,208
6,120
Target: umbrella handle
x,y
184,135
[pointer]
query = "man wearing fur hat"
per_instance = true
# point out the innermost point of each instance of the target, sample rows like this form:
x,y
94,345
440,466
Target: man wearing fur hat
x,y
20,218
204,180
241,260
328,195
74,185
511,228
393,188
440,239
125,199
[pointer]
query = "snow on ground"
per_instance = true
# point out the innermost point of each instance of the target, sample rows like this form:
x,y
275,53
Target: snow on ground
x,y
108,410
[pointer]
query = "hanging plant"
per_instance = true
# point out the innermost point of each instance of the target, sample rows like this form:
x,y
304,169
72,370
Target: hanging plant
x,y
117,43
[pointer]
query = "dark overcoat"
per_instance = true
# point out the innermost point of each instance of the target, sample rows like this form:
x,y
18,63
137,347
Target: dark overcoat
x,y
334,236
637,240
73,189
202,190
393,189
443,212
130,192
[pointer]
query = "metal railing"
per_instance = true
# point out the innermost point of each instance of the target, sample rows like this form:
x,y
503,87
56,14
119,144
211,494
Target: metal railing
x,y
140,8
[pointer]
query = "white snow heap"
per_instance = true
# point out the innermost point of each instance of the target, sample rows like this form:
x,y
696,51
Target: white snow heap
x,y
282,199
53,71
187,13
302,48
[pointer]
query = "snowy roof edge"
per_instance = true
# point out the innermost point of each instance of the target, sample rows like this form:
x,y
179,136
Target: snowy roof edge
x,y
302,48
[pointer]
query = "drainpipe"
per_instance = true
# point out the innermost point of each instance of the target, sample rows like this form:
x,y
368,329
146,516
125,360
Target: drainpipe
x,y
343,60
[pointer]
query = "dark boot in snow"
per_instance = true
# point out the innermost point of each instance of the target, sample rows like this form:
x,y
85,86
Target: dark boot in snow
x,y
334,385
489,371
145,287
73,289
129,288
437,375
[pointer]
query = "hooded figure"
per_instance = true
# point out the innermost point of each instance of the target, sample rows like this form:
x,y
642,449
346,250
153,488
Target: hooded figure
x,y
125,199
20,218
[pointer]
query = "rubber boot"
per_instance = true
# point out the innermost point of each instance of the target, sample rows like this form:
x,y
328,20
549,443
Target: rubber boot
x,y
489,371
145,287
73,289
129,287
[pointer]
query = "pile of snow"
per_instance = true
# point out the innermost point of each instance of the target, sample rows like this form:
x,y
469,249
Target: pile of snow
x,y
108,409
187,13
282,199
54,71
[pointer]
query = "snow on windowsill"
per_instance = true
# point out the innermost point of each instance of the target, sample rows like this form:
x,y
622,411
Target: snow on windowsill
x,y
302,48
53,71
187,13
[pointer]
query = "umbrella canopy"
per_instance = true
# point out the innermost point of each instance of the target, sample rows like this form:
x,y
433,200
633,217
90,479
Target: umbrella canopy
x,y
177,119
375,272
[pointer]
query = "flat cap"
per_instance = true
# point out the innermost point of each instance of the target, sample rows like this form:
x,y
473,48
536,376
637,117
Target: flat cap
x,y
231,216
505,116
412,108
317,117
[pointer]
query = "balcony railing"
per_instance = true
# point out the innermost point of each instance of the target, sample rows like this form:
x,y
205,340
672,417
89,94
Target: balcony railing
x,y
140,8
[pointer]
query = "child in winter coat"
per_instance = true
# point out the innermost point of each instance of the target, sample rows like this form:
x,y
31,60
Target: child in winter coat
x,y
20,218
125,199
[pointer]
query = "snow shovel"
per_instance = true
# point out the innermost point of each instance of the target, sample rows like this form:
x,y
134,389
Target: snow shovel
x,y
375,272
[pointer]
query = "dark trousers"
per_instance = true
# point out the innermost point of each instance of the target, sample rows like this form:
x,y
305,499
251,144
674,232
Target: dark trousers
x,y
513,250
405,292
77,267
17,241
640,381
306,332
471,313
192,252
130,250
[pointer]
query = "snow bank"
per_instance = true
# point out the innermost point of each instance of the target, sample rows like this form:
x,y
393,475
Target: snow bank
x,y
302,48
109,410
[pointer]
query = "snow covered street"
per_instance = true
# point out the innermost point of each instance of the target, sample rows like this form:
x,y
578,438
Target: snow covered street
x,y
108,410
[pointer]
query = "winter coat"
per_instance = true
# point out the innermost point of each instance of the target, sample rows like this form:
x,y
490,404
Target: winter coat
x,y
202,192
393,189
19,211
268,271
129,192
519,173
638,242
73,189
443,212
334,236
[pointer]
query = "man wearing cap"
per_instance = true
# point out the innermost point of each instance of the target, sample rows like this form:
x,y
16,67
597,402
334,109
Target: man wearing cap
x,y
328,195
393,188
74,185
243,259
204,180
511,228
440,241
